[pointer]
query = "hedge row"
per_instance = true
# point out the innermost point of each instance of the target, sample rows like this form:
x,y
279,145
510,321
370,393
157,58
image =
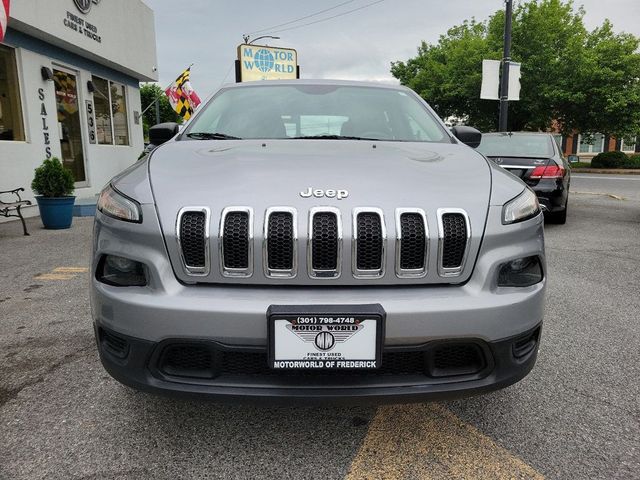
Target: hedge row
x,y
615,160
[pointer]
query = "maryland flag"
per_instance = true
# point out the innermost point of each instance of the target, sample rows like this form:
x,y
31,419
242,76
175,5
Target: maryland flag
x,y
4,17
181,95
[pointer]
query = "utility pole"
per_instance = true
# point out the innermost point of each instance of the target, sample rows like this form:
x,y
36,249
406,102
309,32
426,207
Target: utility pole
x,y
504,79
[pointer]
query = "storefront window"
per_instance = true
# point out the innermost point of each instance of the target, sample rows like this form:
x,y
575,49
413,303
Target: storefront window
x,y
119,109
101,104
11,126
110,103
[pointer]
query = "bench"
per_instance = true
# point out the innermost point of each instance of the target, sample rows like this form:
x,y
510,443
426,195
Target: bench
x,y
6,208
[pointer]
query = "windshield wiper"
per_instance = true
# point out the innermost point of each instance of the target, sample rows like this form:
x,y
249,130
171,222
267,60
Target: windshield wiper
x,y
332,137
211,136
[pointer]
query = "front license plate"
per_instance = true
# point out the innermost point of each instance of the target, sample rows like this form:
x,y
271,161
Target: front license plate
x,y
315,337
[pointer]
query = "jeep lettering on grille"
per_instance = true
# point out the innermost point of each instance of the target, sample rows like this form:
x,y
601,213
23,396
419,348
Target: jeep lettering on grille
x,y
319,193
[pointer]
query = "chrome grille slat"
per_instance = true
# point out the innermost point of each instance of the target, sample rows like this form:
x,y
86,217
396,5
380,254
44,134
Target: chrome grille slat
x,y
324,250
412,243
236,242
280,247
192,234
369,243
454,236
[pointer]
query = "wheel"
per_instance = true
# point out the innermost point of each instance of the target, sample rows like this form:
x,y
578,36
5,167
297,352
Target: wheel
x,y
559,218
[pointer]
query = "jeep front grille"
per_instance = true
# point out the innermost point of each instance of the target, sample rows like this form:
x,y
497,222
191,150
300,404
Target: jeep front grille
x,y
454,236
324,250
369,239
280,242
412,243
325,242
193,239
236,242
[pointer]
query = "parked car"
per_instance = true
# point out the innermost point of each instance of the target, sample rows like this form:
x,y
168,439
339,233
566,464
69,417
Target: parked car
x,y
317,240
537,160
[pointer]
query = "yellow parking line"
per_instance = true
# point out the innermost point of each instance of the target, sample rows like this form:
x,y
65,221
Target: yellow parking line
x,y
54,276
427,441
70,270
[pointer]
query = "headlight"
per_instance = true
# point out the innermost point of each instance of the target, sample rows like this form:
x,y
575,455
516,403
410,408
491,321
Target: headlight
x,y
523,207
116,205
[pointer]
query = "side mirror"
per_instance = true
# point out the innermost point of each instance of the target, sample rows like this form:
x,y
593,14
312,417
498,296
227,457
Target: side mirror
x,y
162,132
467,135
574,158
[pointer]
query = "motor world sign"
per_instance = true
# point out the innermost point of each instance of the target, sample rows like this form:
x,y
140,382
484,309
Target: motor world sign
x,y
259,62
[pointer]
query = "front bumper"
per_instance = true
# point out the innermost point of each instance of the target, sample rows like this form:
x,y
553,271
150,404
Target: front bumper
x,y
139,364
233,316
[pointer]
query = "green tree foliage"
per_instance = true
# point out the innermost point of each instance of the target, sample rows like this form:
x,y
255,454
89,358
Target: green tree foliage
x,y
52,179
148,93
588,81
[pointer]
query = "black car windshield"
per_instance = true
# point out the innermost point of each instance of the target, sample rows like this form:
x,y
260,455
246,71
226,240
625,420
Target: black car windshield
x,y
329,112
517,145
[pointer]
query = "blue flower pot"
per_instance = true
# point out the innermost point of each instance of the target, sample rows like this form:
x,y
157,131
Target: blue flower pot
x,y
56,212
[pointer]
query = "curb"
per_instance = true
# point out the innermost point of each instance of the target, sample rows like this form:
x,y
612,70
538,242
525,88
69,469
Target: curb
x,y
606,171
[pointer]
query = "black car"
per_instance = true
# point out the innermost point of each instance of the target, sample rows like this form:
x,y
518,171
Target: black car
x,y
537,160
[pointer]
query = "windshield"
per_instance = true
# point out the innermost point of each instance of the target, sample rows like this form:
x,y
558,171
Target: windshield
x,y
329,111
507,145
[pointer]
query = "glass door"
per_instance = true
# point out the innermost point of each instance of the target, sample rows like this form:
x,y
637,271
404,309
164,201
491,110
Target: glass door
x,y
69,126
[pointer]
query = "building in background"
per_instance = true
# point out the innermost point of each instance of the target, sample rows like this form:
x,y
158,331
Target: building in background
x,y
69,88
588,146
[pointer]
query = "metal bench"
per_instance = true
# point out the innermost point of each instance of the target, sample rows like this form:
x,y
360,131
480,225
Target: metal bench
x,y
6,208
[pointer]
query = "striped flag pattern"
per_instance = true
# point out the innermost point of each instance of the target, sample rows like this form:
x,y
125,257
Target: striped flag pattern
x,y
4,17
182,97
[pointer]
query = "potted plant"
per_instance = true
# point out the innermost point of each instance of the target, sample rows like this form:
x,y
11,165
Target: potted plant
x,y
53,184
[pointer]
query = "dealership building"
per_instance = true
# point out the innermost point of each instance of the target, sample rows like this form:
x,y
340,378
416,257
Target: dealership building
x,y
69,88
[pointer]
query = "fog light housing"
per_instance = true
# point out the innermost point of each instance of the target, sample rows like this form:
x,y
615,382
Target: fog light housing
x,y
521,272
121,272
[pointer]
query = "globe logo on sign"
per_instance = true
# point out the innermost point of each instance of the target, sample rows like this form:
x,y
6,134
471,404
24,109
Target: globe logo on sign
x,y
325,341
264,60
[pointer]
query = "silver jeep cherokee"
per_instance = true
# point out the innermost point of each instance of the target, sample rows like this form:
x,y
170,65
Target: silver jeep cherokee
x,y
317,240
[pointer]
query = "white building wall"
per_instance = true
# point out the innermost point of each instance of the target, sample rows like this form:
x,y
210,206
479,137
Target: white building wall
x,y
19,159
39,32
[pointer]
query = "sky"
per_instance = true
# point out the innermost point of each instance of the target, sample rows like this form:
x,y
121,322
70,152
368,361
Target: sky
x,y
357,46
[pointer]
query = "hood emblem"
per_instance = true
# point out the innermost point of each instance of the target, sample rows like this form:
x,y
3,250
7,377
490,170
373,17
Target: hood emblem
x,y
328,193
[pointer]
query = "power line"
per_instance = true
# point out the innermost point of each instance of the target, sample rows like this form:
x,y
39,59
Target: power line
x,y
301,18
329,18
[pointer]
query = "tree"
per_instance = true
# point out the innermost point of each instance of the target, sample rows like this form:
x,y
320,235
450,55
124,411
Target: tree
x,y
587,81
148,93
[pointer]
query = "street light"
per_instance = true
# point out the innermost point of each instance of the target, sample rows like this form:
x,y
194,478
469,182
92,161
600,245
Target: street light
x,y
247,42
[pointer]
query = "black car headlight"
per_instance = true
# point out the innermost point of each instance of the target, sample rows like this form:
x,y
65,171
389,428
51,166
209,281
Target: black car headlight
x,y
121,272
522,272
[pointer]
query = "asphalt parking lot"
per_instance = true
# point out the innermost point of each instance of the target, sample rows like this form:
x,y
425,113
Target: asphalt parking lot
x,y
577,415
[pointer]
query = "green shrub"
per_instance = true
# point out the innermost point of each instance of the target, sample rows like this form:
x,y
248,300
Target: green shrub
x,y
632,162
609,160
52,179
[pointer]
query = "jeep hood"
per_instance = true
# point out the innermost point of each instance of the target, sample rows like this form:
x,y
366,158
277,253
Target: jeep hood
x,y
262,174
